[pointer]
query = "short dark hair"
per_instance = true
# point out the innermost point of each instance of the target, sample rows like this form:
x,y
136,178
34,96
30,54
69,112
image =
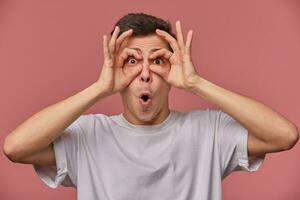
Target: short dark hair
x,y
143,24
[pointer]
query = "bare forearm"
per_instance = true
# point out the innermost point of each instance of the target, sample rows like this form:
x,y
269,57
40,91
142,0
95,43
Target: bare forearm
x,y
39,130
265,123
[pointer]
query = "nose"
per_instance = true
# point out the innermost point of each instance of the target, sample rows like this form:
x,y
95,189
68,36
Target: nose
x,y
145,73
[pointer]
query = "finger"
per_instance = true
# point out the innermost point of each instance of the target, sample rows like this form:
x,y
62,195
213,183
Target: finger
x,y
172,41
179,35
188,44
106,54
121,38
126,52
162,52
113,40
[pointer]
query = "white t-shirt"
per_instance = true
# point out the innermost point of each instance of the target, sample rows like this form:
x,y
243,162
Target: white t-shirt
x,y
185,157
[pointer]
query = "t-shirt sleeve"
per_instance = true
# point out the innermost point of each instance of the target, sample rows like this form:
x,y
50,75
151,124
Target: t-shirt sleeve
x,y
232,139
66,150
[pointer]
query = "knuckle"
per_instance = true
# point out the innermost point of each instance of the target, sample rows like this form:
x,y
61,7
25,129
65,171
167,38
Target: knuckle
x,y
124,50
130,51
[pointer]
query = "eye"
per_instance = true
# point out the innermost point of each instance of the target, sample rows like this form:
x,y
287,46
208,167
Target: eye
x,y
131,60
158,61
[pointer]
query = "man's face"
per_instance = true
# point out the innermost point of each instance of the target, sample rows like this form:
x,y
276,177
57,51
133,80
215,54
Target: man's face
x,y
139,110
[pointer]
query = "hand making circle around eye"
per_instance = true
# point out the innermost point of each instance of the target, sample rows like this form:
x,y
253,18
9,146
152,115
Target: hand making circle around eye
x,y
156,61
182,72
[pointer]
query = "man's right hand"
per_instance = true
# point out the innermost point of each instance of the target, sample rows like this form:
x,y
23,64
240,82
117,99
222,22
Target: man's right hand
x,y
114,77
31,141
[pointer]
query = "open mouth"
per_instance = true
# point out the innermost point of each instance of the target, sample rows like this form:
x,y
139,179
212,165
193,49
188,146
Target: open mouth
x,y
145,98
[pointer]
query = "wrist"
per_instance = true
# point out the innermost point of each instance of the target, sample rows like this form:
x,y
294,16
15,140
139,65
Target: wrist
x,y
194,83
208,91
99,90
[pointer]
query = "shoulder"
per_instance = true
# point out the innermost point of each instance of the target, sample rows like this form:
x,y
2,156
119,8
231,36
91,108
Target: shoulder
x,y
90,122
206,114
202,118
206,119
85,120
90,119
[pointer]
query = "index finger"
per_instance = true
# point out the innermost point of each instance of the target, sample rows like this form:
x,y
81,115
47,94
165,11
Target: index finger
x,y
122,37
172,41
126,52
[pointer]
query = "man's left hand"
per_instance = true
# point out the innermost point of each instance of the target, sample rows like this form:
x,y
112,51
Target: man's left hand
x,y
182,73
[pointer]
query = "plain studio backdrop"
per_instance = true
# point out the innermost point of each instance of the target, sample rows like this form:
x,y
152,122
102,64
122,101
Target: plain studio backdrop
x,y
50,50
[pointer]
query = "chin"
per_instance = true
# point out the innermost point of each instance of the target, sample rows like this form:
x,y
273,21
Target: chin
x,y
145,116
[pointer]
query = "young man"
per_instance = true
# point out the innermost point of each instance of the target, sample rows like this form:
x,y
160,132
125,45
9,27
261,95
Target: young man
x,y
149,151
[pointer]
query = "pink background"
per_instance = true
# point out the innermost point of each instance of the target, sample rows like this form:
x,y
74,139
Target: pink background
x,y
50,50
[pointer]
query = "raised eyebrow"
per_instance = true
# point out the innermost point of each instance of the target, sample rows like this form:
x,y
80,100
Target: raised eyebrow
x,y
136,49
152,50
156,49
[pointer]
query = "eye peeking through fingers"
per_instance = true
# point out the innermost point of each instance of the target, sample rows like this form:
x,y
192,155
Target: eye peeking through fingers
x,y
158,61
131,60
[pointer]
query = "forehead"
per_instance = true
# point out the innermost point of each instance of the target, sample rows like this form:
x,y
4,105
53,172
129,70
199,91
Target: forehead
x,y
145,43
